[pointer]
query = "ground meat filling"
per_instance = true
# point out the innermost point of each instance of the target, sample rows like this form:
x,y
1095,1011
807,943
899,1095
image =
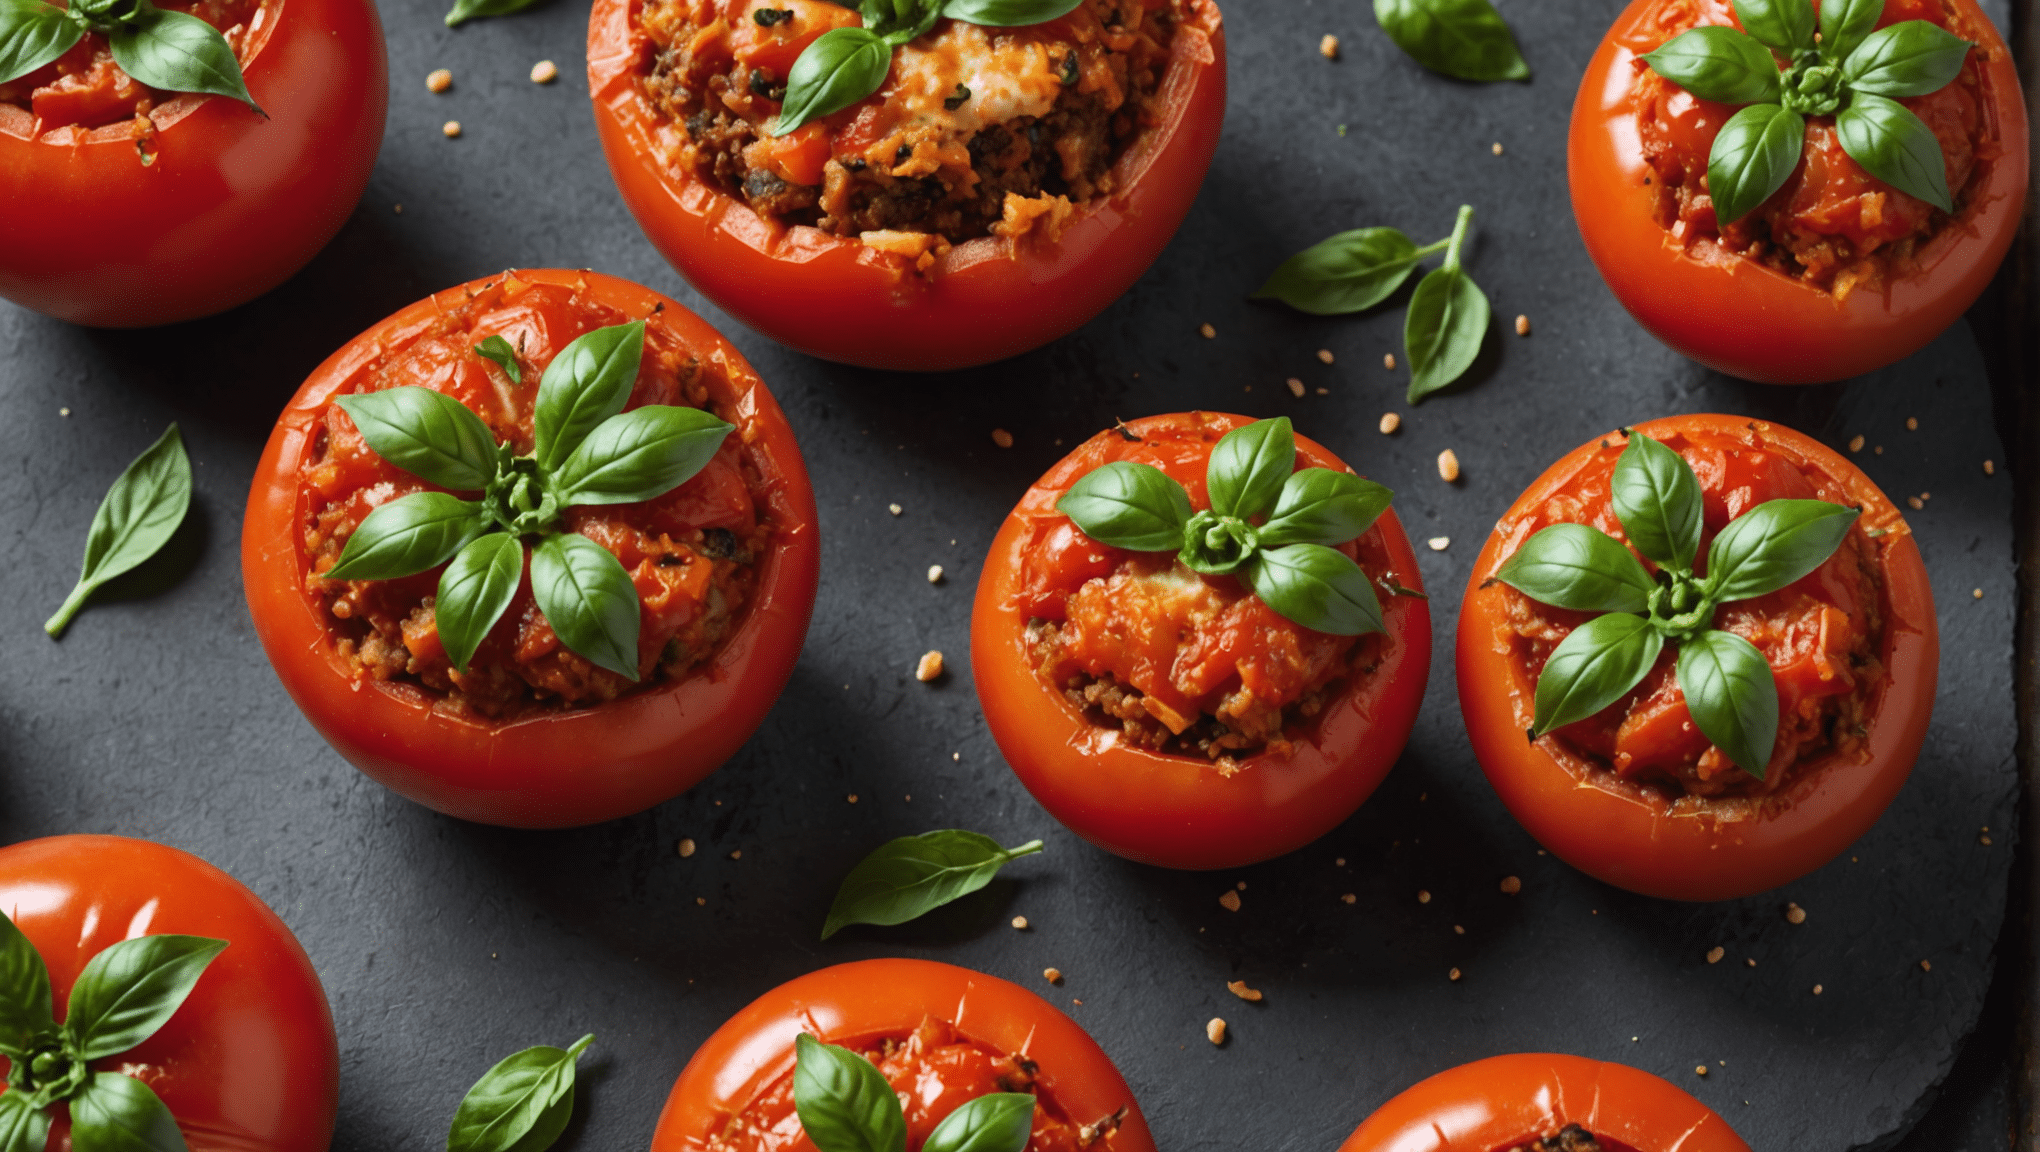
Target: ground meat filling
x,y
84,88
1571,1138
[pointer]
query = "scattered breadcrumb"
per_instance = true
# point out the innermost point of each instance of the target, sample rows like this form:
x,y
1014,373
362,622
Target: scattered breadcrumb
x,y
1511,885
1926,965
1052,975
1339,862
1978,594
701,901
1324,355
852,798
397,209
1816,989
1388,361
1230,901
1497,148
1855,443
1752,962
544,72
1878,450
1020,923
1989,468
1423,896
1440,543
1215,1031
686,848
438,80
1239,988
1207,331
1350,898
934,573
1295,387
1390,421
1914,503
451,128
1324,391
1699,1069
930,666
1522,325
1715,954
1002,438
1984,839
1459,929
1912,424
737,855
1794,914
1452,975
1448,466
956,756
894,509
1329,47
63,411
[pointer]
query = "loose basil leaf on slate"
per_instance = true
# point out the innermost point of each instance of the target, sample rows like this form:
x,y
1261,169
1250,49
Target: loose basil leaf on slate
x,y
1657,499
1844,24
406,536
177,53
429,434
840,68
1008,13
498,351
1774,544
844,1103
1320,506
473,592
1753,155
640,454
24,993
23,1126
1593,667
1463,38
913,875
1716,63
1895,146
118,1113
587,383
132,988
994,1122
32,34
1908,59
139,514
1349,272
1732,697
464,10
1128,505
1785,26
1317,587
1580,567
1249,466
589,600
1443,329
520,1105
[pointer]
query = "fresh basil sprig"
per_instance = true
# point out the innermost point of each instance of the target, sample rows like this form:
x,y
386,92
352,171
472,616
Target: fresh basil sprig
x,y
1727,683
1446,321
138,516
1847,71
913,875
1463,38
520,1105
171,51
498,351
846,1104
585,450
124,996
465,10
1269,524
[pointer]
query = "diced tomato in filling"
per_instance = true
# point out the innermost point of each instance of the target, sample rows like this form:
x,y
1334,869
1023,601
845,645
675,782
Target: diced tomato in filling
x,y
934,1071
692,553
86,89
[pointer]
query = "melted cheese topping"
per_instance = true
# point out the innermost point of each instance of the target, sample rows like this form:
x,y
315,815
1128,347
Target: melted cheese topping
x,y
1009,75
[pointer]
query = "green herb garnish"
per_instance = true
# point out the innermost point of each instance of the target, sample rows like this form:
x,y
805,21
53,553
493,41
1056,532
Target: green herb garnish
x,y
846,1105
1463,38
913,875
138,516
520,1105
171,51
465,10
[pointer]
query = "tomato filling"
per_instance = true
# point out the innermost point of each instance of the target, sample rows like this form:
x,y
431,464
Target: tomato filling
x,y
934,1071
692,553
1821,635
1571,1138
84,88
976,131
1832,224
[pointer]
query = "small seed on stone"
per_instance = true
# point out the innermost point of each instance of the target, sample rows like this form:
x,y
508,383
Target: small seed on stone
x,y
1020,923
1388,361
1215,1031
438,80
1207,331
1439,543
1389,423
1794,914
1230,901
1522,325
544,72
930,666
1448,466
1239,988
1511,885
934,573
1324,355
1329,47
686,848
1855,443
1002,438
451,128
1715,954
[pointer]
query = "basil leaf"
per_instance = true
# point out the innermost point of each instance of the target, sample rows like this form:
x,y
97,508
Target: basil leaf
x,y
23,1126
1785,26
429,434
840,68
1657,499
1732,697
844,1102
913,875
1844,24
643,453
24,993
1895,146
464,10
1753,155
32,34
520,1105
1319,588
1593,667
406,536
1774,544
1580,567
1320,506
499,352
899,21
994,1122
177,53
588,382
1249,466
1908,59
116,1113
1128,505
1443,329
473,592
1008,13
1349,272
132,988
138,516
1463,38
1716,63
589,600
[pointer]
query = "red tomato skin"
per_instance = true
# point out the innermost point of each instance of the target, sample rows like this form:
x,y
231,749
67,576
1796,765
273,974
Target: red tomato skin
x,y
1644,846
754,1048
1739,317
1502,1101
233,204
1177,811
833,297
553,771
249,1063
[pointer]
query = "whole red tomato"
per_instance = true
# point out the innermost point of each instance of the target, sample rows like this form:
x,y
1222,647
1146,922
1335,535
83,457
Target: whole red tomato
x,y
215,204
738,1079
566,767
249,1062
1174,810
1640,837
834,297
1741,317
1505,1102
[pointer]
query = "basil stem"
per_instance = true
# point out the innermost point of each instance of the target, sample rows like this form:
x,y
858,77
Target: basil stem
x,y
1463,38
1716,63
1128,505
1896,146
177,52
1784,26
1753,155
994,1122
32,34
1732,697
1249,466
522,1104
131,989
1349,272
1447,320
139,514
1580,567
844,1103
906,878
842,66
1657,498
474,591
589,600
1317,587
1594,666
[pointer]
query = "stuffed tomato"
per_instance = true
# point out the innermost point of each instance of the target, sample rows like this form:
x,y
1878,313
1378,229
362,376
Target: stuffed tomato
x,y
1200,640
971,180
538,551
1697,660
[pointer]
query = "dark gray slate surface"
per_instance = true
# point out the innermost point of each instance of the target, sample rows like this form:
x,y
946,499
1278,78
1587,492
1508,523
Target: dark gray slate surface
x,y
445,946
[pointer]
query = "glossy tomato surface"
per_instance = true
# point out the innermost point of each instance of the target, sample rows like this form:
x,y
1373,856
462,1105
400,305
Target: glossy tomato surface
x,y
249,1062
754,1050
1173,810
218,204
559,769
1634,837
834,297
1504,1102
1742,318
